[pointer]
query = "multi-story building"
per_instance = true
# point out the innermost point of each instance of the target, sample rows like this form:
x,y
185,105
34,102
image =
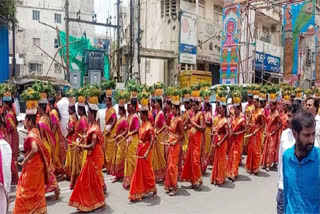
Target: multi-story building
x,y
160,23
33,31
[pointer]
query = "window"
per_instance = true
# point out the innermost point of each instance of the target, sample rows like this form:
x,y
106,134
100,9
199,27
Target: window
x,y
36,41
218,14
211,46
36,15
168,7
57,68
56,43
35,67
57,18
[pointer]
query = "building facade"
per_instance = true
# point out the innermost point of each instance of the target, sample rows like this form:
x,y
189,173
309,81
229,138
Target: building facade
x,y
160,23
32,36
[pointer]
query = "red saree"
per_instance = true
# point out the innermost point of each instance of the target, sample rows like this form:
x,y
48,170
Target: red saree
x,y
191,171
219,166
59,149
234,157
271,142
88,191
143,180
188,114
174,156
30,195
254,142
12,137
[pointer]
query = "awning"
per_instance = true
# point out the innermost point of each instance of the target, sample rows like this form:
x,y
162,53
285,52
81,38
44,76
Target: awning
x,y
29,79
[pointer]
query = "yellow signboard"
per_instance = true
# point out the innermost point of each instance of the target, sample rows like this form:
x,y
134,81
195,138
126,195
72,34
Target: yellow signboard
x,y
187,78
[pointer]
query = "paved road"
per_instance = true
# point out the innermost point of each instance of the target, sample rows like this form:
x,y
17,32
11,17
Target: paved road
x,y
249,194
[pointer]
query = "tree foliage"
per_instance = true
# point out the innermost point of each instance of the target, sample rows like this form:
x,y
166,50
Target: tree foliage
x,y
7,11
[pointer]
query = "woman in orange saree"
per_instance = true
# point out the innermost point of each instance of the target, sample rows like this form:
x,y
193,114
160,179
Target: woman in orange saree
x,y
256,128
71,151
109,132
191,171
49,142
121,127
174,150
220,142
159,162
132,143
207,139
30,194
237,132
88,193
60,148
272,137
143,179
12,136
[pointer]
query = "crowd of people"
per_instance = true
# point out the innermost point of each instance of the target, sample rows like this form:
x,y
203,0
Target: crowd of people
x,y
160,134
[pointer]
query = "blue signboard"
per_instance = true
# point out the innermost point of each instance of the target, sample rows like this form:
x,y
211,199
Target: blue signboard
x,y
267,62
4,53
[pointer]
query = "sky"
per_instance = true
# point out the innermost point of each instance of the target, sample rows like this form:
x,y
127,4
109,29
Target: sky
x,y
102,9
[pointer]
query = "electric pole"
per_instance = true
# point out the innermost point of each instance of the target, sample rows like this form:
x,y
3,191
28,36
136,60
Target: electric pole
x,y
67,39
131,38
13,47
118,41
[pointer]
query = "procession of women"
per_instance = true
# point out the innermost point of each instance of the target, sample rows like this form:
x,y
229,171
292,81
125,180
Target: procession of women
x,y
156,134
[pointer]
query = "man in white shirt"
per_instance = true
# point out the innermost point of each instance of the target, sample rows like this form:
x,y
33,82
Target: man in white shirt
x,y
288,141
63,107
312,106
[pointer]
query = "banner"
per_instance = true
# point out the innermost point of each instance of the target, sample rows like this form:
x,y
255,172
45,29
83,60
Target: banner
x,y
298,21
188,39
229,45
267,62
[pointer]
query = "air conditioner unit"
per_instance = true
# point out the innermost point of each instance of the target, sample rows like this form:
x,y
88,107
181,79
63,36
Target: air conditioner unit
x,y
20,2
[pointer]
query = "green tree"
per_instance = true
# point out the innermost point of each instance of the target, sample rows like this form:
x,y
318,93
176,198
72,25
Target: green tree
x,y
7,11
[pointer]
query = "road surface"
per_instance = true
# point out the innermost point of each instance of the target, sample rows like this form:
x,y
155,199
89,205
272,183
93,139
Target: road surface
x,y
249,194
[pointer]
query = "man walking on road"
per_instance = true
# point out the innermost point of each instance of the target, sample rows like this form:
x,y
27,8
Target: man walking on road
x,y
301,169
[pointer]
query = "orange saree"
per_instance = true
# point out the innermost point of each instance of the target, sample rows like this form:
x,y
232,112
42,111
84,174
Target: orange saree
x,y
30,195
108,140
88,191
234,157
49,143
59,149
248,112
143,180
174,155
254,142
271,140
219,166
191,171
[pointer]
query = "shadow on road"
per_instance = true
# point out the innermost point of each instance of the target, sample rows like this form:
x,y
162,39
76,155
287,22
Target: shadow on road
x,y
263,174
228,185
183,192
243,178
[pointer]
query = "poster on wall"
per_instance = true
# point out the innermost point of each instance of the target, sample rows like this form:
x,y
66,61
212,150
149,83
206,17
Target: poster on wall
x,y
229,44
188,39
299,19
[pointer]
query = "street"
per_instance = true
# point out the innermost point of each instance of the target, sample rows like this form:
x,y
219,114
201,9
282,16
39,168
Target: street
x,y
249,194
